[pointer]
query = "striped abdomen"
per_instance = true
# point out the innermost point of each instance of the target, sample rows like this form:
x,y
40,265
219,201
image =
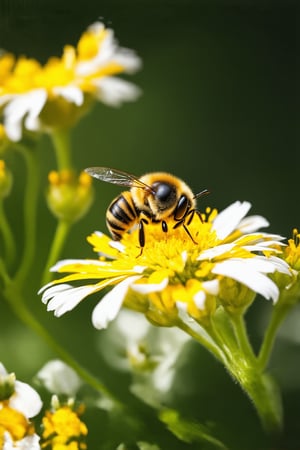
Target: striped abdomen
x,y
121,215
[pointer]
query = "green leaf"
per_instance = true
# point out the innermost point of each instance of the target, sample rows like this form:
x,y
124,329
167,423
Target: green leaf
x,y
188,430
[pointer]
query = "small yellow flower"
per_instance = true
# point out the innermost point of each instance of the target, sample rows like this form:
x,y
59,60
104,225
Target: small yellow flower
x,y
69,197
290,286
173,276
292,251
18,403
63,429
55,95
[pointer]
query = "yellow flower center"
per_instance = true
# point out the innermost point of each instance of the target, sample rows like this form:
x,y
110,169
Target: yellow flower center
x,y
173,252
14,423
26,74
63,430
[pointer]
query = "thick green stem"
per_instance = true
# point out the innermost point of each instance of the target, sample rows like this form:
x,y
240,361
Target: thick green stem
x,y
236,354
61,233
264,393
7,237
62,145
242,338
30,214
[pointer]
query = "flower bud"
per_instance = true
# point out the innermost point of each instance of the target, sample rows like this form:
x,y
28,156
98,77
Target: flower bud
x,y
59,378
6,180
7,386
69,197
162,309
234,296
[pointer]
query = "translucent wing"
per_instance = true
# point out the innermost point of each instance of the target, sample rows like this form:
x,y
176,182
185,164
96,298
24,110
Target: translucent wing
x,y
115,176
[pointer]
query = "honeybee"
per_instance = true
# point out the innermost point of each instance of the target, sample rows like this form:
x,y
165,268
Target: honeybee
x,y
153,197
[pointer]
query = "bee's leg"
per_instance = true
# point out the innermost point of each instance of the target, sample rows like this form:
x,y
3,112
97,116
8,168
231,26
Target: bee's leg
x,y
191,214
182,223
188,232
142,238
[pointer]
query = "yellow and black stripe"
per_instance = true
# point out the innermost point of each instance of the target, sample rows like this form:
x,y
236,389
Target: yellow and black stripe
x,y
121,215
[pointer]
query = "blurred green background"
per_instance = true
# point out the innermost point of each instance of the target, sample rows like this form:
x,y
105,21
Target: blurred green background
x,y
219,109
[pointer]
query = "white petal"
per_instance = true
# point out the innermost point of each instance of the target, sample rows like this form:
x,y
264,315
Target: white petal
x,y
5,98
50,290
3,371
211,287
113,91
258,237
71,93
144,288
264,264
108,51
30,105
214,252
139,269
182,306
252,223
199,299
248,274
27,443
280,265
128,59
262,247
65,297
229,219
26,400
67,262
59,378
108,308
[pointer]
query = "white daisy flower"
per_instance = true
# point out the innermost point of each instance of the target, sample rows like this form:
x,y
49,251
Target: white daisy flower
x,y
41,98
174,273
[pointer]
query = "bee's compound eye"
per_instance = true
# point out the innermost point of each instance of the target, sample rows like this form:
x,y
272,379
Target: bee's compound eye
x,y
163,191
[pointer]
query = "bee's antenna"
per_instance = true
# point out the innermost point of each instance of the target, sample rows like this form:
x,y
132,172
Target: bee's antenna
x,y
202,193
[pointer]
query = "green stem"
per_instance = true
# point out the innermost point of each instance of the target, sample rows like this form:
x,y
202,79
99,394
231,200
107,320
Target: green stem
x,y
61,233
224,339
62,145
264,393
7,235
236,354
239,326
16,302
206,342
279,313
30,213
3,272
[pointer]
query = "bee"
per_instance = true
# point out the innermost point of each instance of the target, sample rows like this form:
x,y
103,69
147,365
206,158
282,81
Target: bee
x,y
153,197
